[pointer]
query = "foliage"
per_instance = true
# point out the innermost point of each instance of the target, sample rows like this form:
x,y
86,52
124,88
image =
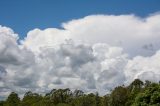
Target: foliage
x,y
150,97
119,96
136,94
12,100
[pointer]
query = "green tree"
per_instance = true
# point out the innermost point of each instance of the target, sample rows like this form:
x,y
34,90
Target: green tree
x,y
31,99
150,97
78,93
61,96
12,100
133,90
118,96
106,100
136,85
98,100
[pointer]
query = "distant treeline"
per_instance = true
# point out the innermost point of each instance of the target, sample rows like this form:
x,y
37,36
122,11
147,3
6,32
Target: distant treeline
x,y
138,93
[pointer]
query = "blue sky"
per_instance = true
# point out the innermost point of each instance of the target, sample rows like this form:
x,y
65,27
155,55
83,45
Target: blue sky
x,y
25,15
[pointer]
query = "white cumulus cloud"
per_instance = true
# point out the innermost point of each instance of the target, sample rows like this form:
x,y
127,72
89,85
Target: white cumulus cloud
x,y
94,53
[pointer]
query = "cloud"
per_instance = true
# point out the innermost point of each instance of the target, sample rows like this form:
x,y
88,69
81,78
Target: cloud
x,y
14,61
94,53
145,68
121,30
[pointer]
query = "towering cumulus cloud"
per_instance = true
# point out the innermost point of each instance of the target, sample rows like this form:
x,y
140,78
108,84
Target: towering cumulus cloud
x,y
95,53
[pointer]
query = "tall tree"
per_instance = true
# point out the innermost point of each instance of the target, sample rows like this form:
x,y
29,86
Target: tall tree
x,y
118,96
31,98
13,99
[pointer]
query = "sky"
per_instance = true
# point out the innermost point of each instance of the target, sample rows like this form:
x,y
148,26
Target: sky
x,y
87,45
25,15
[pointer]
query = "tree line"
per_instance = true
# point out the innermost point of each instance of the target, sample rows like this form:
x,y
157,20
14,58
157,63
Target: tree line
x,y
138,93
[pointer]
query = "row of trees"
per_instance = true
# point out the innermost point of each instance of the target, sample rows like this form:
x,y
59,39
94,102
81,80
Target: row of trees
x,y
137,93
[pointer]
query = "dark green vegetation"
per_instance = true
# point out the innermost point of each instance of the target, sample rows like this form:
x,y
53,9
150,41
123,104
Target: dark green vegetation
x,y
138,93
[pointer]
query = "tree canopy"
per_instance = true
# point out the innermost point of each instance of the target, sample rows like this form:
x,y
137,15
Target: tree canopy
x,y
138,93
